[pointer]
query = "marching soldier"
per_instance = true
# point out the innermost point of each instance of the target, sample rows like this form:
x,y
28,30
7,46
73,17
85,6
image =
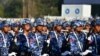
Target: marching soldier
x,y
45,32
67,27
87,28
6,39
45,29
77,38
37,40
94,38
23,38
57,39
15,28
33,27
15,31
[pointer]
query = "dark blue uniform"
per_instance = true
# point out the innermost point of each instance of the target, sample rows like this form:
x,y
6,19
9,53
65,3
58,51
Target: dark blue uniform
x,y
94,38
37,40
94,43
57,43
5,43
23,44
77,43
23,40
36,44
6,39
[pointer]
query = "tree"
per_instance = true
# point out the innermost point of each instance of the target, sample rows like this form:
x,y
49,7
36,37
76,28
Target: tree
x,y
1,11
47,7
13,8
30,8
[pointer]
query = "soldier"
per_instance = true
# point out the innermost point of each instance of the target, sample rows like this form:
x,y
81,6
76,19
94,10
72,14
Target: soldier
x,y
23,38
33,27
6,39
87,31
67,28
15,32
50,26
45,29
15,27
45,33
87,28
57,39
77,38
37,40
94,38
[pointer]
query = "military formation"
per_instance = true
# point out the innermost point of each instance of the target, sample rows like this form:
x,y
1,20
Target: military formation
x,y
56,38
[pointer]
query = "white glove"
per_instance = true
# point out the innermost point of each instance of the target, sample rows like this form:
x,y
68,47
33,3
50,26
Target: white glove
x,y
66,53
48,41
12,54
45,54
86,52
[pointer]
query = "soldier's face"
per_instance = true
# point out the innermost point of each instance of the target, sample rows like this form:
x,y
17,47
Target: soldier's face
x,y
80,28
45,28
68,28
87,27
33,29
9,28
6,29
16,29
97,28
27,27
58,28
39,28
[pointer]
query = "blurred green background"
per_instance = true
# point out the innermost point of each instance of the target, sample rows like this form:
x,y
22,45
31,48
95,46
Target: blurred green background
x,y
29,8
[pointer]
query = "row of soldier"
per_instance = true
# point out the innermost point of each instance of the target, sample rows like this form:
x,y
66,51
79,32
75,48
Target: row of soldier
x,y
57,38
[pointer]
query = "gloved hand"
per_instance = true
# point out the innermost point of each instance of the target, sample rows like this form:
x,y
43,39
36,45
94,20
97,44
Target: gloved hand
x,y
12,54
66,53
86,52
48,41
45,54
